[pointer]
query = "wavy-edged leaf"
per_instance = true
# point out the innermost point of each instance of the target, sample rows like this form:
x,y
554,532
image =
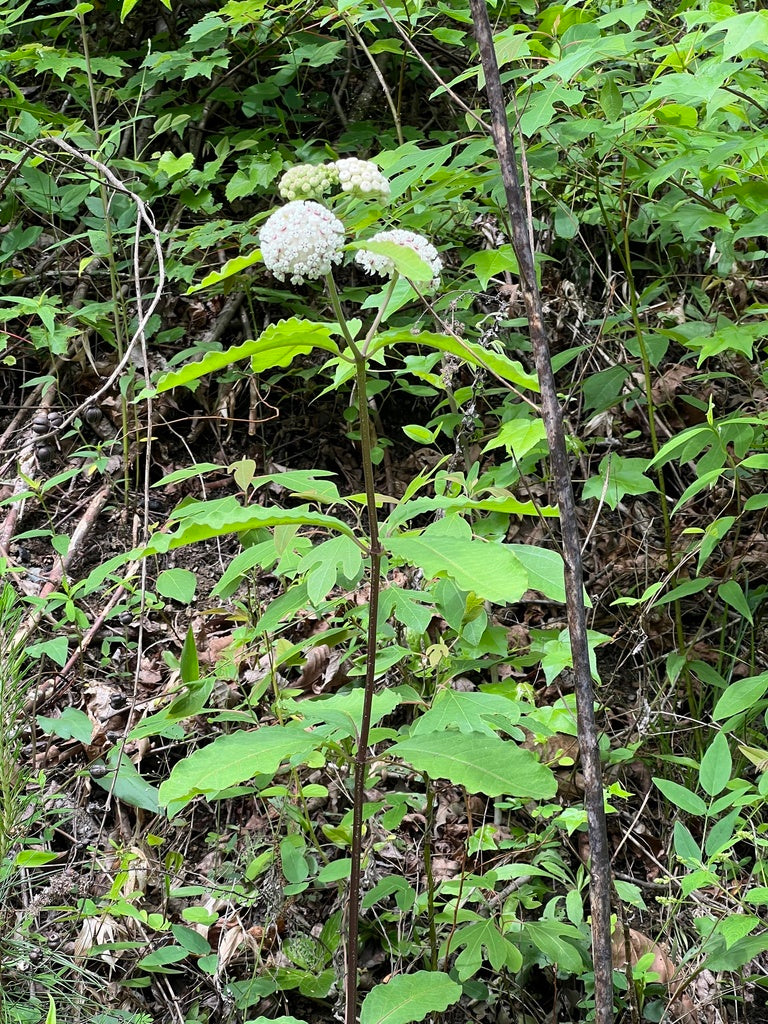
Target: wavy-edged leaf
x,y
201,520
470,351
280,343
482,764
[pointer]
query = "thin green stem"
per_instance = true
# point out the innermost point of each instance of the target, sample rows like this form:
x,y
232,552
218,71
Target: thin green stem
x,y
374,582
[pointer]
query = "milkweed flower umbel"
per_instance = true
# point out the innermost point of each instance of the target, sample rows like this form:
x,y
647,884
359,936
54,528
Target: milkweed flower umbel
x,y
361,177
307,181
301,240
374,263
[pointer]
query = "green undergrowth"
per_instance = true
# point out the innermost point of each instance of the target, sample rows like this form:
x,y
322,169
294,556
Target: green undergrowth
x,y
142,148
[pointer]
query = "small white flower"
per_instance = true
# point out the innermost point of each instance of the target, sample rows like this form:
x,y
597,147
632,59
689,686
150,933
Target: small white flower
x,y
301,239
373,263
361,177
307,181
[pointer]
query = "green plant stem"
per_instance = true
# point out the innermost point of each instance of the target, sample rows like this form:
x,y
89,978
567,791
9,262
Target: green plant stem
x,y
374,583
600,858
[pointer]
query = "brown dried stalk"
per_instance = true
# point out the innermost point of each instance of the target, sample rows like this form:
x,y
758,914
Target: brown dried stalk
x,y
600,868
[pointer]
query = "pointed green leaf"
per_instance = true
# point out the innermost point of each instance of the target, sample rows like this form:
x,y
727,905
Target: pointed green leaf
x,y
232,759
740,696
681,797
482,764
489,569
715,771
189,666
409,997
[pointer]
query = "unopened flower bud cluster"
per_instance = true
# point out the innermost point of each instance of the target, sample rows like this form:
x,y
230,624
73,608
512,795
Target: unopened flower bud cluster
x,y
308,181
354,176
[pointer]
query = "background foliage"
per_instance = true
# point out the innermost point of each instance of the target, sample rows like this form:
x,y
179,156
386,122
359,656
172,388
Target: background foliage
x,y
184,547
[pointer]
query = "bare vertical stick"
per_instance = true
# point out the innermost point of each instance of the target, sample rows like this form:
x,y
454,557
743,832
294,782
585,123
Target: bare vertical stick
x,y
600,873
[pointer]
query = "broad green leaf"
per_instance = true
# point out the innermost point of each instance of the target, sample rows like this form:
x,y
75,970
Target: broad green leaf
x,y
326,562
466,712
57,649
489,263
546,570
158,960
721,835
559,942
715,771
610,101
343,712
71,724
262,554
129,786
733,595
177,585
482,941
230,760
409,997
519,437
407,606
489,569
191,940
618,477
34,858
173,165
740,696
482,764
686,847
681,797
406,260
231,268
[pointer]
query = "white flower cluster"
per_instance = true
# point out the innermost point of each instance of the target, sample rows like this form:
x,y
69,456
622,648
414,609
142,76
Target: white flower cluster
x,y
361,177
301,239
374,263
307,181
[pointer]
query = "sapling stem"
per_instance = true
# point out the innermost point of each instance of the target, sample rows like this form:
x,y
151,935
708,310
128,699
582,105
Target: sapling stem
x,y
600,869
